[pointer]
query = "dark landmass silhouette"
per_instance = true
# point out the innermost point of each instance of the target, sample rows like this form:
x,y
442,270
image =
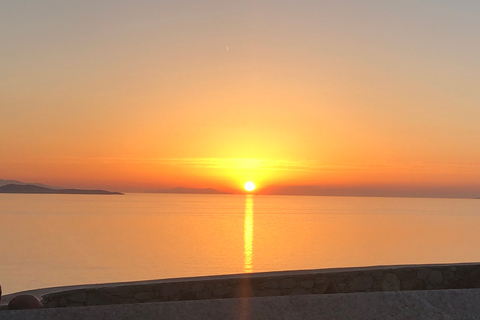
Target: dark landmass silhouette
x,y
190,191
30,188
407,191
5,182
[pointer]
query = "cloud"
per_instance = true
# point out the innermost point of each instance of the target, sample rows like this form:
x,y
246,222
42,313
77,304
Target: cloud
x,y
281,164
278,164
242,163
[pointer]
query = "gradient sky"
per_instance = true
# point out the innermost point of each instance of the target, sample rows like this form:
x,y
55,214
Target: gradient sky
x,y
138,95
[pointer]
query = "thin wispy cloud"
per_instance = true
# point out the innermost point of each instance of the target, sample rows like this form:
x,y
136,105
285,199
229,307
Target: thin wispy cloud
x,y
275,164
207,163
243,163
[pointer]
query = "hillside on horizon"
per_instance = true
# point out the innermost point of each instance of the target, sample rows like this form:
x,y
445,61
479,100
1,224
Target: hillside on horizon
x,y
293,190
35,189
5,182
182,190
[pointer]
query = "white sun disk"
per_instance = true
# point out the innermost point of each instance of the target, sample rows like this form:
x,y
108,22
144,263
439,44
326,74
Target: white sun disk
x,y
249,186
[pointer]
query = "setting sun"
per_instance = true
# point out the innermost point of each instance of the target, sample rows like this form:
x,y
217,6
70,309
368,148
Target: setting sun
x,y
249,186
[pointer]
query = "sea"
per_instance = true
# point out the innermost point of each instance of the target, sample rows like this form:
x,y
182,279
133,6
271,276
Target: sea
x,y
63,240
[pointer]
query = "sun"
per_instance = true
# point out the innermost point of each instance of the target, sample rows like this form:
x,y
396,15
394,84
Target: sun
x,y
249,186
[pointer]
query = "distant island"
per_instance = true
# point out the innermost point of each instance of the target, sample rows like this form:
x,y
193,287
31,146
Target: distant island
x,y
190,191
5,182
30,188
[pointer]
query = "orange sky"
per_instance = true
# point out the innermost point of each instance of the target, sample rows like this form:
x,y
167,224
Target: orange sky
x,y
147,95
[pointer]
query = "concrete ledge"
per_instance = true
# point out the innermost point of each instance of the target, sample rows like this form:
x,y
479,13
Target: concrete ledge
x,y
428,304
287,283
326,281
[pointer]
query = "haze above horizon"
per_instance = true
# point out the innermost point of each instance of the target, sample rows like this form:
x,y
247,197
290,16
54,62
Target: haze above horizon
x,y
334,95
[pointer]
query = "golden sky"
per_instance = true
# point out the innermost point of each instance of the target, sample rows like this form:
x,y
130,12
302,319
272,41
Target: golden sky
x,y
142,95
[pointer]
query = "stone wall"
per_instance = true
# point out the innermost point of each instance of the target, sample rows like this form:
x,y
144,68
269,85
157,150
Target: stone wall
x,y
326,281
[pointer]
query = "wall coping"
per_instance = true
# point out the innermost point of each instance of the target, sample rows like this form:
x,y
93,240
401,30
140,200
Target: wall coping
x,y
344,270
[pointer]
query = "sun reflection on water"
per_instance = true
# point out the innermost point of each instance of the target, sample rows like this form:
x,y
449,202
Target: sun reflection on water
x,y
248,234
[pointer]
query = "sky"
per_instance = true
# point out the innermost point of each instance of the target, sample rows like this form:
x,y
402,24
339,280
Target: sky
x,y
341,95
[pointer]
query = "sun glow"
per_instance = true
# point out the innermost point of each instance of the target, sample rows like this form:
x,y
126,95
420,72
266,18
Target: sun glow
x,y
248,234
249,186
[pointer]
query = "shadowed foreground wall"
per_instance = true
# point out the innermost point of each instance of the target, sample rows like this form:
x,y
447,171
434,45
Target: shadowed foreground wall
x,y
327,281
399,305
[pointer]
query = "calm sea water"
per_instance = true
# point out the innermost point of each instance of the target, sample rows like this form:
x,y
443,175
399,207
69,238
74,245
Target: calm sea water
x,y
56,240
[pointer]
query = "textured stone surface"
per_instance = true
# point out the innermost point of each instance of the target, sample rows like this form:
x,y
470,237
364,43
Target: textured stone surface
x,y
287,283
308,284
144,296
298,291
268,292
77,297
412,305
390,283
204,294
221,292
412,284
24,301
327,281
361,283
270,284
96,298
435,277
